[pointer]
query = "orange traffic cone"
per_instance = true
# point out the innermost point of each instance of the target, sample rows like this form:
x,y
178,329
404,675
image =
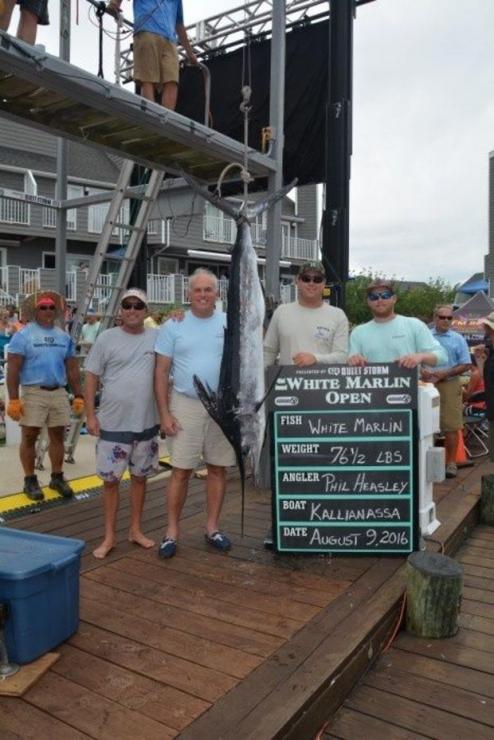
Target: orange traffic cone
x,y
461,454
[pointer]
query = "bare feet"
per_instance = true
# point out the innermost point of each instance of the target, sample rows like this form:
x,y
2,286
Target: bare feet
x,y
139,539
103,550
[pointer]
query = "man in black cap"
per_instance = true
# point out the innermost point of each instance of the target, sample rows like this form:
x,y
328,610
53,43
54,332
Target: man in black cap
x,y
308,330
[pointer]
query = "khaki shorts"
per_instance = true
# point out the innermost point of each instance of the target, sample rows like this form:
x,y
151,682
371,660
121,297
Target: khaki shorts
x,y
199,437
451,410
45,407
155,59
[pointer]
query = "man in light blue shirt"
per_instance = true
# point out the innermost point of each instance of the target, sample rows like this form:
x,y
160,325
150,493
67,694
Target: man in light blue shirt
x,y
446,377
389,337
186,348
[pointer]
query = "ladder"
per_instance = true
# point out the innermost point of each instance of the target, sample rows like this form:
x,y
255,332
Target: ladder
x,y
146,195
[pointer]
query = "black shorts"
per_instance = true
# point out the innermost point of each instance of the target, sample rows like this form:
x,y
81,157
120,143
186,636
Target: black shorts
x,y
38,7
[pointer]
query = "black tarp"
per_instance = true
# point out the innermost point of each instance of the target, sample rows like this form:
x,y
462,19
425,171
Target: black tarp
x,y
306,92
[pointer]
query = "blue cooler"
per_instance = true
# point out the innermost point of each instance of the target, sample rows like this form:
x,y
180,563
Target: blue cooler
x,y
39,581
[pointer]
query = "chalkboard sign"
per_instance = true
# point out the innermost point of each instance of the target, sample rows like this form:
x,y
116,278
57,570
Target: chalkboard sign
x,y
344,458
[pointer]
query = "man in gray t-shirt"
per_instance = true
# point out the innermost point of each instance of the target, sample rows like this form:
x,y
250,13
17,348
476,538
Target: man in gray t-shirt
x,y
121,364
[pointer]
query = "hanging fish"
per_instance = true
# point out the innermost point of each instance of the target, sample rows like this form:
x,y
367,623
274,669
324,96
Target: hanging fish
x,y
237,406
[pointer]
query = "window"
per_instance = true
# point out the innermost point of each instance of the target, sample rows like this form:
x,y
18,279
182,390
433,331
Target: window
x,y
167,266
48,260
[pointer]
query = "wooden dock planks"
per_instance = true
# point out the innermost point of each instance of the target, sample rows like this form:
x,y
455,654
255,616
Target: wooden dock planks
x,y
431,688
234,645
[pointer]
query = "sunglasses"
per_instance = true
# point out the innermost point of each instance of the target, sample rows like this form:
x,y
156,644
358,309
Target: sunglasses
x,y
137,305
445,318
311,279
384,294
46,308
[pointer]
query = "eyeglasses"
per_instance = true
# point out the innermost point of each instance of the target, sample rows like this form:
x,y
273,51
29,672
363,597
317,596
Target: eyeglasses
x,y
137,305
445,318
312,279
46,308
384,294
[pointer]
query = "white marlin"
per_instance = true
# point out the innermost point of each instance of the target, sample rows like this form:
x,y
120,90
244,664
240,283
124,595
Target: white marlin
x,y
237,406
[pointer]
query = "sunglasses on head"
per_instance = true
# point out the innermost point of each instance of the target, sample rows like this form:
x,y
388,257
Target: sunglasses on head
x,y
377,295
46,308
137,305
311,278
445,318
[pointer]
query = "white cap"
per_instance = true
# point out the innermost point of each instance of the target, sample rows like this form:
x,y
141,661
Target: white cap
x,y
135,293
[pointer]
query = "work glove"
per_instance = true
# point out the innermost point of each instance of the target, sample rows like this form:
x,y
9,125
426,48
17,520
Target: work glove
x,y
78,406
15,409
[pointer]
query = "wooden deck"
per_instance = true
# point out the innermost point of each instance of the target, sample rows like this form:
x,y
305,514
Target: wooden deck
x,y
434,688
244,645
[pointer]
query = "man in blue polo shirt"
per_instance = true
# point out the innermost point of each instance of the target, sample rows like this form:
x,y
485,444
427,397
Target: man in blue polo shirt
x,y
40,361
157,24
446,377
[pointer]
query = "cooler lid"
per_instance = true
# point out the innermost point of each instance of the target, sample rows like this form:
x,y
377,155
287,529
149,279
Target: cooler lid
x,y
26,554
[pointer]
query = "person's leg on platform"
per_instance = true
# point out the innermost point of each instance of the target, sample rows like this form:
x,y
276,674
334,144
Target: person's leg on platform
x,y
28,26
111,498
148,91
6,9
56,452
27,454
137,495
169,95
215,490
175,499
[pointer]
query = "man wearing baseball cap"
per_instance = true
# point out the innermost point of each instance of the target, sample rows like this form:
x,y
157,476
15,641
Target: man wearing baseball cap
x,y
41,360
308,330
121,363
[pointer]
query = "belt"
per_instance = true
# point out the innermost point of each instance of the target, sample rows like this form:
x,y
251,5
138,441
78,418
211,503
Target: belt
x,y
50,387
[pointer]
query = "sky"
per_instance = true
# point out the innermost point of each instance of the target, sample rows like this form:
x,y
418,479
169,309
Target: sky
x,y
423,126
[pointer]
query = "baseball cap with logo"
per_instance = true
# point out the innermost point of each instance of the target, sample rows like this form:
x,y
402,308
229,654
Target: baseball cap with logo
x,y
312,266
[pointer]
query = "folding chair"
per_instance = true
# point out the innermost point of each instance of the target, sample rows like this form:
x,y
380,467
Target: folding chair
x,y
475,436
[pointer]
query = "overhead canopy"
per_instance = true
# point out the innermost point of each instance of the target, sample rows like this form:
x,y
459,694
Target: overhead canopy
x,y
48,93
474,284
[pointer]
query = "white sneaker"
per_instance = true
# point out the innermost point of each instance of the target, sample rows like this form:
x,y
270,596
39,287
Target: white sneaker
x,y
451,470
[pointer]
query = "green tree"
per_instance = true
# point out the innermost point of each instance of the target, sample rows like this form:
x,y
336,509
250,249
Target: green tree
x,y
418,301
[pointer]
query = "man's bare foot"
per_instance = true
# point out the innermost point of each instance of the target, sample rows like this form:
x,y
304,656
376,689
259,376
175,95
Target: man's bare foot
x,y
103,550
139,539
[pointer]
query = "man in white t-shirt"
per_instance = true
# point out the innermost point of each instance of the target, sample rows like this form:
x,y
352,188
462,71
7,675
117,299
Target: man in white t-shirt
x,y
121,363
308,330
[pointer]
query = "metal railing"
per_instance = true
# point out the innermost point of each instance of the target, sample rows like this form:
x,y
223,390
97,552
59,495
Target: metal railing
x,y
29,280
4,279
71,286
15,212
161,288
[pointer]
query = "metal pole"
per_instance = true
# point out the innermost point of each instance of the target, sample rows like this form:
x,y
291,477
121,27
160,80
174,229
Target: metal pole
x,y
338,147
276,114
62,152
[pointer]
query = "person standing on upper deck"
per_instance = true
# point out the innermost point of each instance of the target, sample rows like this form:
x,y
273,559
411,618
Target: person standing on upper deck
x,y
32,13
157,25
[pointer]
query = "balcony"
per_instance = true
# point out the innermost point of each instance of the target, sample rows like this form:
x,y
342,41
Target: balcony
x,y
222,230
15,212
